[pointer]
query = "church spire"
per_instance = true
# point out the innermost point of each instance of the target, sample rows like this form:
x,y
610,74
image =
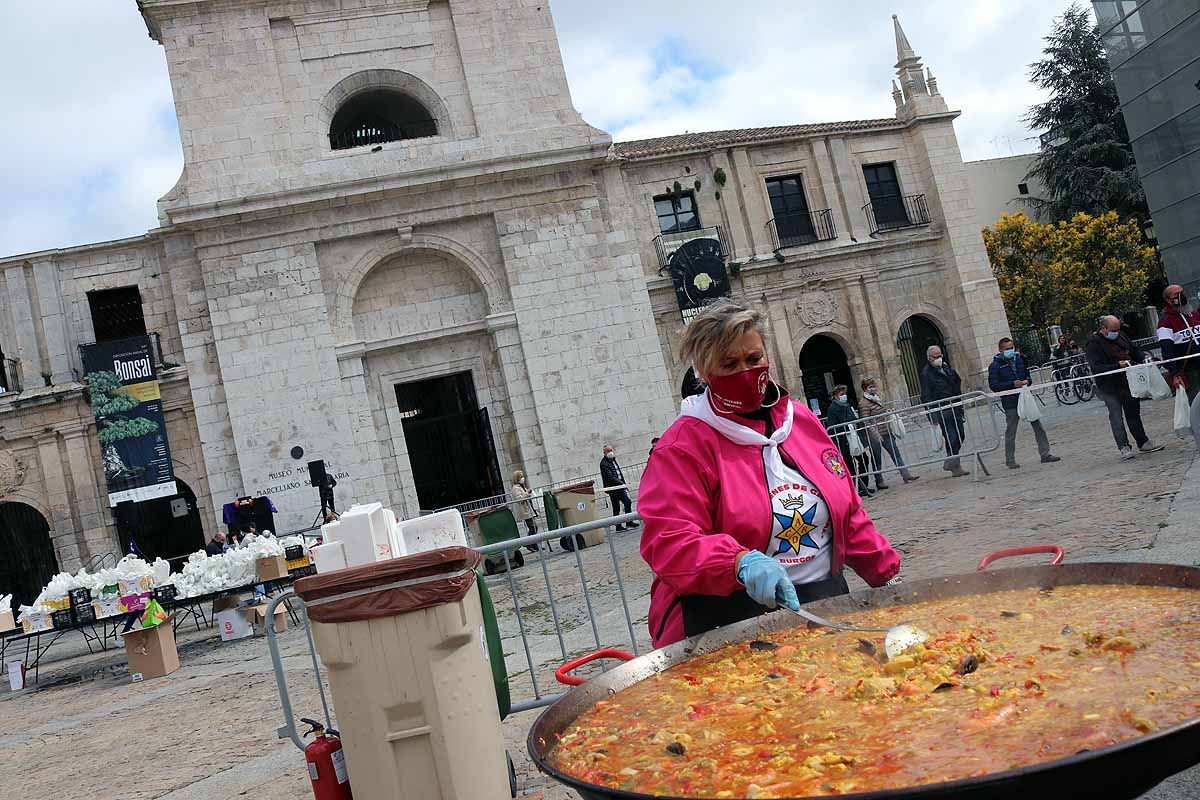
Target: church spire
x,y
904,50
917,94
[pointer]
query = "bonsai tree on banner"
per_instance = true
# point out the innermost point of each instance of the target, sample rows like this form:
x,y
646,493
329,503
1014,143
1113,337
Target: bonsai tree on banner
x,y
111,406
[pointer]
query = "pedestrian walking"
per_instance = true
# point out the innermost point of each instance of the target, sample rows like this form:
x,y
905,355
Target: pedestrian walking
x,y
841,413
939,381
880,436
611,475
1179,336
1108,350
1007,372
524,510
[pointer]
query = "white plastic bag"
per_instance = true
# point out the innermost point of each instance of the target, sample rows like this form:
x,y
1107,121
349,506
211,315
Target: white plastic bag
x,y
1147,383
1027,407
1183,414
855,444
896,426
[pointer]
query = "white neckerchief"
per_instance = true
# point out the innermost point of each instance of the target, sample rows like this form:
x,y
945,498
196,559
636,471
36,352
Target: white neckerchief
x,y
700,408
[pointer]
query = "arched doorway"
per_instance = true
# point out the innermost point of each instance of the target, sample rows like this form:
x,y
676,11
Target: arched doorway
x,y
29,561
166,527
917,334
823,365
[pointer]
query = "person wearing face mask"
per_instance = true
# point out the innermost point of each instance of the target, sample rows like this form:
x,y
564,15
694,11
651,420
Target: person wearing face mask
x,y
1007,372
747,502
1109,350
939,381
612,475
523,510
879,435
1179,336
840,413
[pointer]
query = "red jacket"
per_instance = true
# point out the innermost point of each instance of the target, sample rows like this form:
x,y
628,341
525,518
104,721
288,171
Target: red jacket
x,y
704,499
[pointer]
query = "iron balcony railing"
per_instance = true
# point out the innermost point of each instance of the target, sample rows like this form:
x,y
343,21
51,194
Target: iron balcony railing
x,y
667,243
156,352
380,132
10,376
896,212
801,228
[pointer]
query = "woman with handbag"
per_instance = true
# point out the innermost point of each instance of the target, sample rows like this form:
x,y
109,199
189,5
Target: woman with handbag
x,y
850,441
881,435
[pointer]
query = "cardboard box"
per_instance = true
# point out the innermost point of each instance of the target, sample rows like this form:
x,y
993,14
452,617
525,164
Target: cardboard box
x,y
258,618
59,604
133,602
234,624
270,568
7,623
41,622
16,675
107,607
141,585
151,651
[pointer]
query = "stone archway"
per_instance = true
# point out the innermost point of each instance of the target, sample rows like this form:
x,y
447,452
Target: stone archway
x,y
916,335
824,364
29,561
166,527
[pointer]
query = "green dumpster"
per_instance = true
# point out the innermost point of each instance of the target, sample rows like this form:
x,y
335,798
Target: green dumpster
x,y
495,651
498,525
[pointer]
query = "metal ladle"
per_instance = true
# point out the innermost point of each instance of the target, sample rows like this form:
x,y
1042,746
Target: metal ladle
x,y
899,637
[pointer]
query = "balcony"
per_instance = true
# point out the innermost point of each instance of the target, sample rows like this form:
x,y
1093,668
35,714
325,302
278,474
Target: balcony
x,y
156,352
666,244
801,228
10,376
894,213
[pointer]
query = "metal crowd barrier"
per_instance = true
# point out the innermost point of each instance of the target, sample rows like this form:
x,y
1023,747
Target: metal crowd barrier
x,y
923,443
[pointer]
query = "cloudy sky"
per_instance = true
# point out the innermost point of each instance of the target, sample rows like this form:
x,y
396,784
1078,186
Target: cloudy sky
x,y
89,140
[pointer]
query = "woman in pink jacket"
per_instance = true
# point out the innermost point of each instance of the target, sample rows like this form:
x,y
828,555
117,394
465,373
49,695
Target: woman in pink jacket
x,y
746,501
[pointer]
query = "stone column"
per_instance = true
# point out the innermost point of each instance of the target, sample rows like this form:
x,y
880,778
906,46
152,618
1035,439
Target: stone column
x,y
91,502
757,213
23,326
49,294
507,341
784,363
829,185
890,372
63,531
848,178
740,244
369,482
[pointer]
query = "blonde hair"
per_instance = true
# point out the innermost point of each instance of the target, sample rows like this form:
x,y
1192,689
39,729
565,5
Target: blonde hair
x,y
714,331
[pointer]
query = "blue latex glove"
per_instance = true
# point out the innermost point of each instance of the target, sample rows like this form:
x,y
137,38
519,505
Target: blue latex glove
x,y
767,581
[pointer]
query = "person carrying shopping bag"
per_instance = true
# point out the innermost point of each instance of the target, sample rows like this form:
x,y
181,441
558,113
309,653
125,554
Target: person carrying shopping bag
x,y
880,436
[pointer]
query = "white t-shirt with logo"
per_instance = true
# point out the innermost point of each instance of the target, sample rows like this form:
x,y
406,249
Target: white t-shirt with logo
x,y
801,530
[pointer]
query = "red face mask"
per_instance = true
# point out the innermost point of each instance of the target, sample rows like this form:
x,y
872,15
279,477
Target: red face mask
x,y
739,393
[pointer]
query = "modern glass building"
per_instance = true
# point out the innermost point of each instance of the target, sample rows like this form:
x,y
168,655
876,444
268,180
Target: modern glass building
x,y
1154,53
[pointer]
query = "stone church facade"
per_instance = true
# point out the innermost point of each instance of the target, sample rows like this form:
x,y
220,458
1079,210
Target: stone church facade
x,y
396,246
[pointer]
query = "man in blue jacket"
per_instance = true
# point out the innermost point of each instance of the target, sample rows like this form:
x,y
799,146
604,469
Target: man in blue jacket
x,y
1007,372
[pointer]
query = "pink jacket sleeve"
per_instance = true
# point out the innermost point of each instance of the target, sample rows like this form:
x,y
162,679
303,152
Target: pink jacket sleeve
x,y
675,501
868,552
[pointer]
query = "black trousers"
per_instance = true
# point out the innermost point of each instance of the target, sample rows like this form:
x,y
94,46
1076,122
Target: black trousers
x,y
1120,404
619,497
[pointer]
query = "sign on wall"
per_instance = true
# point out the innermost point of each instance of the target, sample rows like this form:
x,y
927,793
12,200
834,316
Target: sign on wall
x,y
124,395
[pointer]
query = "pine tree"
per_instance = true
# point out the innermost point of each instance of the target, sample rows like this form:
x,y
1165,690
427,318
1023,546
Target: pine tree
x,y
1088,164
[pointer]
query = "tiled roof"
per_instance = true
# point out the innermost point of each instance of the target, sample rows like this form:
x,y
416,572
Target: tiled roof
x,y
648,148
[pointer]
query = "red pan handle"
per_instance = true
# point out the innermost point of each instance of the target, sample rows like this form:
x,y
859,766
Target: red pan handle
x,y
987,560
562,673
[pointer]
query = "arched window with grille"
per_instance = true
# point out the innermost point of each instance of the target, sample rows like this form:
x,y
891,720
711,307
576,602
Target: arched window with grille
x,y
377,116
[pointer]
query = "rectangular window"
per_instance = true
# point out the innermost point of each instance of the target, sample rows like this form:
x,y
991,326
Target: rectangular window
x,y
789,209
883,187
677,214
117,313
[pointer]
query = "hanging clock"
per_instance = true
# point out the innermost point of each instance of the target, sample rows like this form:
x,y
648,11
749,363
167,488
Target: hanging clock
x,y
698,273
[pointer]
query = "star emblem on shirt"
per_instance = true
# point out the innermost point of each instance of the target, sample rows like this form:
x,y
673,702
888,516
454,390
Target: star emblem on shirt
x,y
797,530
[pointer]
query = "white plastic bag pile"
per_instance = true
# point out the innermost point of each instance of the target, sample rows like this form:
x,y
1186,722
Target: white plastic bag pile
x,y
129,570
203,573
5,603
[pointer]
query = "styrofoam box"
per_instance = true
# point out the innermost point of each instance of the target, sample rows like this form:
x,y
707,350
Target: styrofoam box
x,y
433,531
329,556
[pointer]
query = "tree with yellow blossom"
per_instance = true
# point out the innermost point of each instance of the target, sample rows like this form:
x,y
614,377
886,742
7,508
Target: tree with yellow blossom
x,y
1072,273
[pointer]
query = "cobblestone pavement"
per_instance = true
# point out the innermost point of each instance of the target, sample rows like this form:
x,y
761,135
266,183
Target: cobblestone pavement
x,y
208,730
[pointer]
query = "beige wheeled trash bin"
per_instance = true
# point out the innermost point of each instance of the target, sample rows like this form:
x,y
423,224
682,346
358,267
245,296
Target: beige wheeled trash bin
x,y
577,505
403,641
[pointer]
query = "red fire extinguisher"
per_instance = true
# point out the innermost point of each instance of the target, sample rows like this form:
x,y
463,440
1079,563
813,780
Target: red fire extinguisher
x,y
326,764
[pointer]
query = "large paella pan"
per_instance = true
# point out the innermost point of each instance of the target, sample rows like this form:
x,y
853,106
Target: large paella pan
x,y
1075,680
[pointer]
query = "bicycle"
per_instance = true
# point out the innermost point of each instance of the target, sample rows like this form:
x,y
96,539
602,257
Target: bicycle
x,y
1083,383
